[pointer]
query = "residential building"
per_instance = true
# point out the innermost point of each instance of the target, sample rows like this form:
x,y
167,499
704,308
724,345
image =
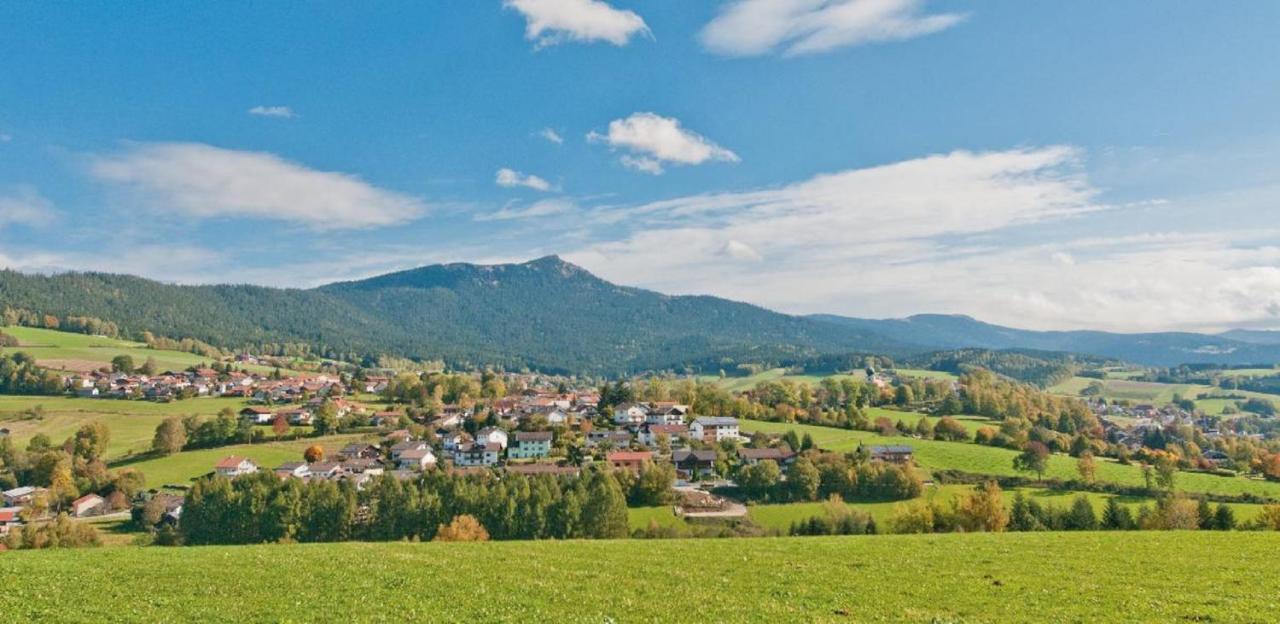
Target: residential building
x,y
712,429
235,466
629,460
530,445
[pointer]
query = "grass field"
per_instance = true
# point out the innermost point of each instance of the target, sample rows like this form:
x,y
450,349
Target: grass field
x,y
978,459
741,384
182,468
78,352
1035,577
132,423
782,515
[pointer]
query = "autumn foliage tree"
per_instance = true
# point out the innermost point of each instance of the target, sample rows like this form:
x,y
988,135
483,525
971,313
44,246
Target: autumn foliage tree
x,y
314,453
463,528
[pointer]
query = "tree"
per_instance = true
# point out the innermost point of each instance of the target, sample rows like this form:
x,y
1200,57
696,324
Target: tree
x,y
62,487
463,528
1087,466
1224,519
1033,458
759,480
1081,517
1166,472
90,440
313,454
653,487
122,364
983,510
803,480
325,420
1116,517
171,436
604,513
279,425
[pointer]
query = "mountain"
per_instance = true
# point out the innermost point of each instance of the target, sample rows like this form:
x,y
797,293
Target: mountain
x,y
942,331
1253,336
545,314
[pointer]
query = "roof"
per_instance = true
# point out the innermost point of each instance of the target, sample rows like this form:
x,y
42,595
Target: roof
x,y
533,469
763,453
416,454
891,449
668,429
232,462
716,421
630,456
290,466
9,514
20,491
701,455
86,498
256,410
533,436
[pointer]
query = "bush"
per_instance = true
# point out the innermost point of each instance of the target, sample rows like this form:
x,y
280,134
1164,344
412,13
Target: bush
x,y
464,528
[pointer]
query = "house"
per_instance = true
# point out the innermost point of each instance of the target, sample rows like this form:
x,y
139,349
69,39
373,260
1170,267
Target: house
x,y
712,429
88,505
452,441
357,450
300,416
629,460
666,414
694,462
530,445
416,459
753,456
477,454
257,415
235,466
20,497
296,469
896,454
364,466
408,445
617,439
652,433
492,435
9,519
399,435
628,414
325,470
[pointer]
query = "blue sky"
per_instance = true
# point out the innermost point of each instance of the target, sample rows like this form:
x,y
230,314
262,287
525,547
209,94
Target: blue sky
x,y
1086,164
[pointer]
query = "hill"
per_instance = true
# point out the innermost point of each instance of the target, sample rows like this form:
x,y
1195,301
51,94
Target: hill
x,y
942,331
1203,576
545,314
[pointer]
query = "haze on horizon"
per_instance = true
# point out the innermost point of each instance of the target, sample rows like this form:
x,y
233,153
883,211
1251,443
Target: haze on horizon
x,y
1037,166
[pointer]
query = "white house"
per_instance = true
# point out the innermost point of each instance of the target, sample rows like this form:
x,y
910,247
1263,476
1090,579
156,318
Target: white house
x,y
629,414
667,415
492,435
712,429
416,459
87,505
235,466
477,454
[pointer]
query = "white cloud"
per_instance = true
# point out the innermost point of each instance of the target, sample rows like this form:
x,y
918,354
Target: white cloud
x,y
25,206
509,178
543,208
797,27
739,250
283,112
551,136
210,182
654,140
549,22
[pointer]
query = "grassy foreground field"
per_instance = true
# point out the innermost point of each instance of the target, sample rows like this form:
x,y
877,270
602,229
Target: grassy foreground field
x,y
1037,577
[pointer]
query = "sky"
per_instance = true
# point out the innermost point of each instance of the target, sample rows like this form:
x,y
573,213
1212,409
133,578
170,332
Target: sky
x,y
1049,165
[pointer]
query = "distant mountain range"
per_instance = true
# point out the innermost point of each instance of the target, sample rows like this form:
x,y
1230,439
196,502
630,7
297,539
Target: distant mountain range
x,y
941,331
551,315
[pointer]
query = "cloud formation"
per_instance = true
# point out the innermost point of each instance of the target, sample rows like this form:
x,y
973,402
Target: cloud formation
x,y
283,112
542,208
550,22
798,27
25,206
510,178
551,136
654,141
204,181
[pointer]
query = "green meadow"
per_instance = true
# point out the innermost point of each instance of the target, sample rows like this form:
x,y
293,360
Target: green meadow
x,y
979,577
182,468
60,350
741,384
987,460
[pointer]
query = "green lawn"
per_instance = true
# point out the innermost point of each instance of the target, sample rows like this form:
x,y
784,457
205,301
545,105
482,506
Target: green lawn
x,y
926,374
182,468
132,423
1035,577
978,459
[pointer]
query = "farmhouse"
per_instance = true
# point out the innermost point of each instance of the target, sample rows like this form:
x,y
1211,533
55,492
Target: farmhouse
x,y
530,445
257,415
9,519
297,469
753,456
235,466
712,429
357,450
20,497
897,454
87,505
